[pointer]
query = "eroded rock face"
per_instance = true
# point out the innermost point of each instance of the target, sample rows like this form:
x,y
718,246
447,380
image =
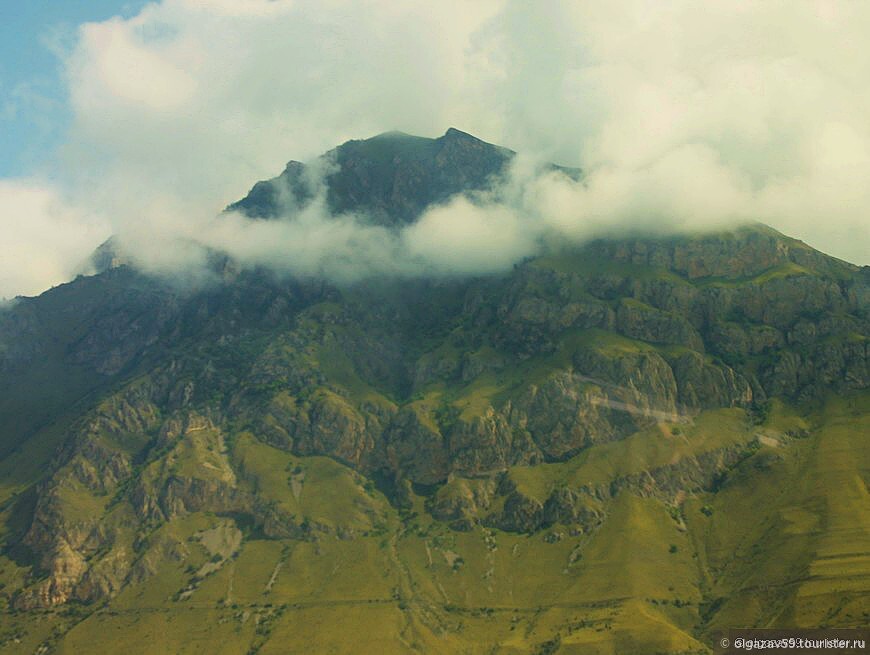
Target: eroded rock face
x,y
646,323
570,507
66,569
520,514
702,385
334,426
463,500
414,445
564,415
807,373
488,443
738,256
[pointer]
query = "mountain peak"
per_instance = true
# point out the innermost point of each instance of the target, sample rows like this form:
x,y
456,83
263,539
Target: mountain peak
x,y
391,134
453,133
390,179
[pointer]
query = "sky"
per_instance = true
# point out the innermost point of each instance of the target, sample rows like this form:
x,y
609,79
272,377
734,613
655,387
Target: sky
x,y
144,120
33,36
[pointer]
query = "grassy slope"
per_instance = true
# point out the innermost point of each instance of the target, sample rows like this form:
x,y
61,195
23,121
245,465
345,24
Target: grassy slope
x,y
792,528
785,543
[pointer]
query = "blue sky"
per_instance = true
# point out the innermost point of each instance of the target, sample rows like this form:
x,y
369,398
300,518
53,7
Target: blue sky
x,y
33,110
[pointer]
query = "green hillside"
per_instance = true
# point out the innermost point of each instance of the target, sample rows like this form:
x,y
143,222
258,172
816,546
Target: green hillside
x,y
620,447
780,540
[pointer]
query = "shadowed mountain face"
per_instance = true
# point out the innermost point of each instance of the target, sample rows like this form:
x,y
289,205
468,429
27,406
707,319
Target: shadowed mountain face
x,y
624,446
391,178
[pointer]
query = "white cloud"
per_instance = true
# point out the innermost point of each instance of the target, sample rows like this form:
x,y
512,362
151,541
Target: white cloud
x,y
684,115
44,241
240,8
462,237
244,87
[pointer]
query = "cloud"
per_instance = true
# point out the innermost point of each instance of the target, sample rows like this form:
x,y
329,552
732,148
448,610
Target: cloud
x,y
45,242
474,234
199,99
748,110
462,237
684,116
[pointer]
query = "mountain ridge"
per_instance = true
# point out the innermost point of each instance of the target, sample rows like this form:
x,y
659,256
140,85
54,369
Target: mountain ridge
x,y
611,447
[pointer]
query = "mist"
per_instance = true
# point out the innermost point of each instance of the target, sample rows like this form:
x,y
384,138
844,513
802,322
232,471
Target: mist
x,y
531,210
683,117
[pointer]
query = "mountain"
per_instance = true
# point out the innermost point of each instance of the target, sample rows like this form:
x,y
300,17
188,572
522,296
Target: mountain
x,y
391,178
622,446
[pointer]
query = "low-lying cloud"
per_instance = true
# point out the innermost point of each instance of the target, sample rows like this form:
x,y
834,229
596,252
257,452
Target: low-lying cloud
x,y
529,211
468,234
683,116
